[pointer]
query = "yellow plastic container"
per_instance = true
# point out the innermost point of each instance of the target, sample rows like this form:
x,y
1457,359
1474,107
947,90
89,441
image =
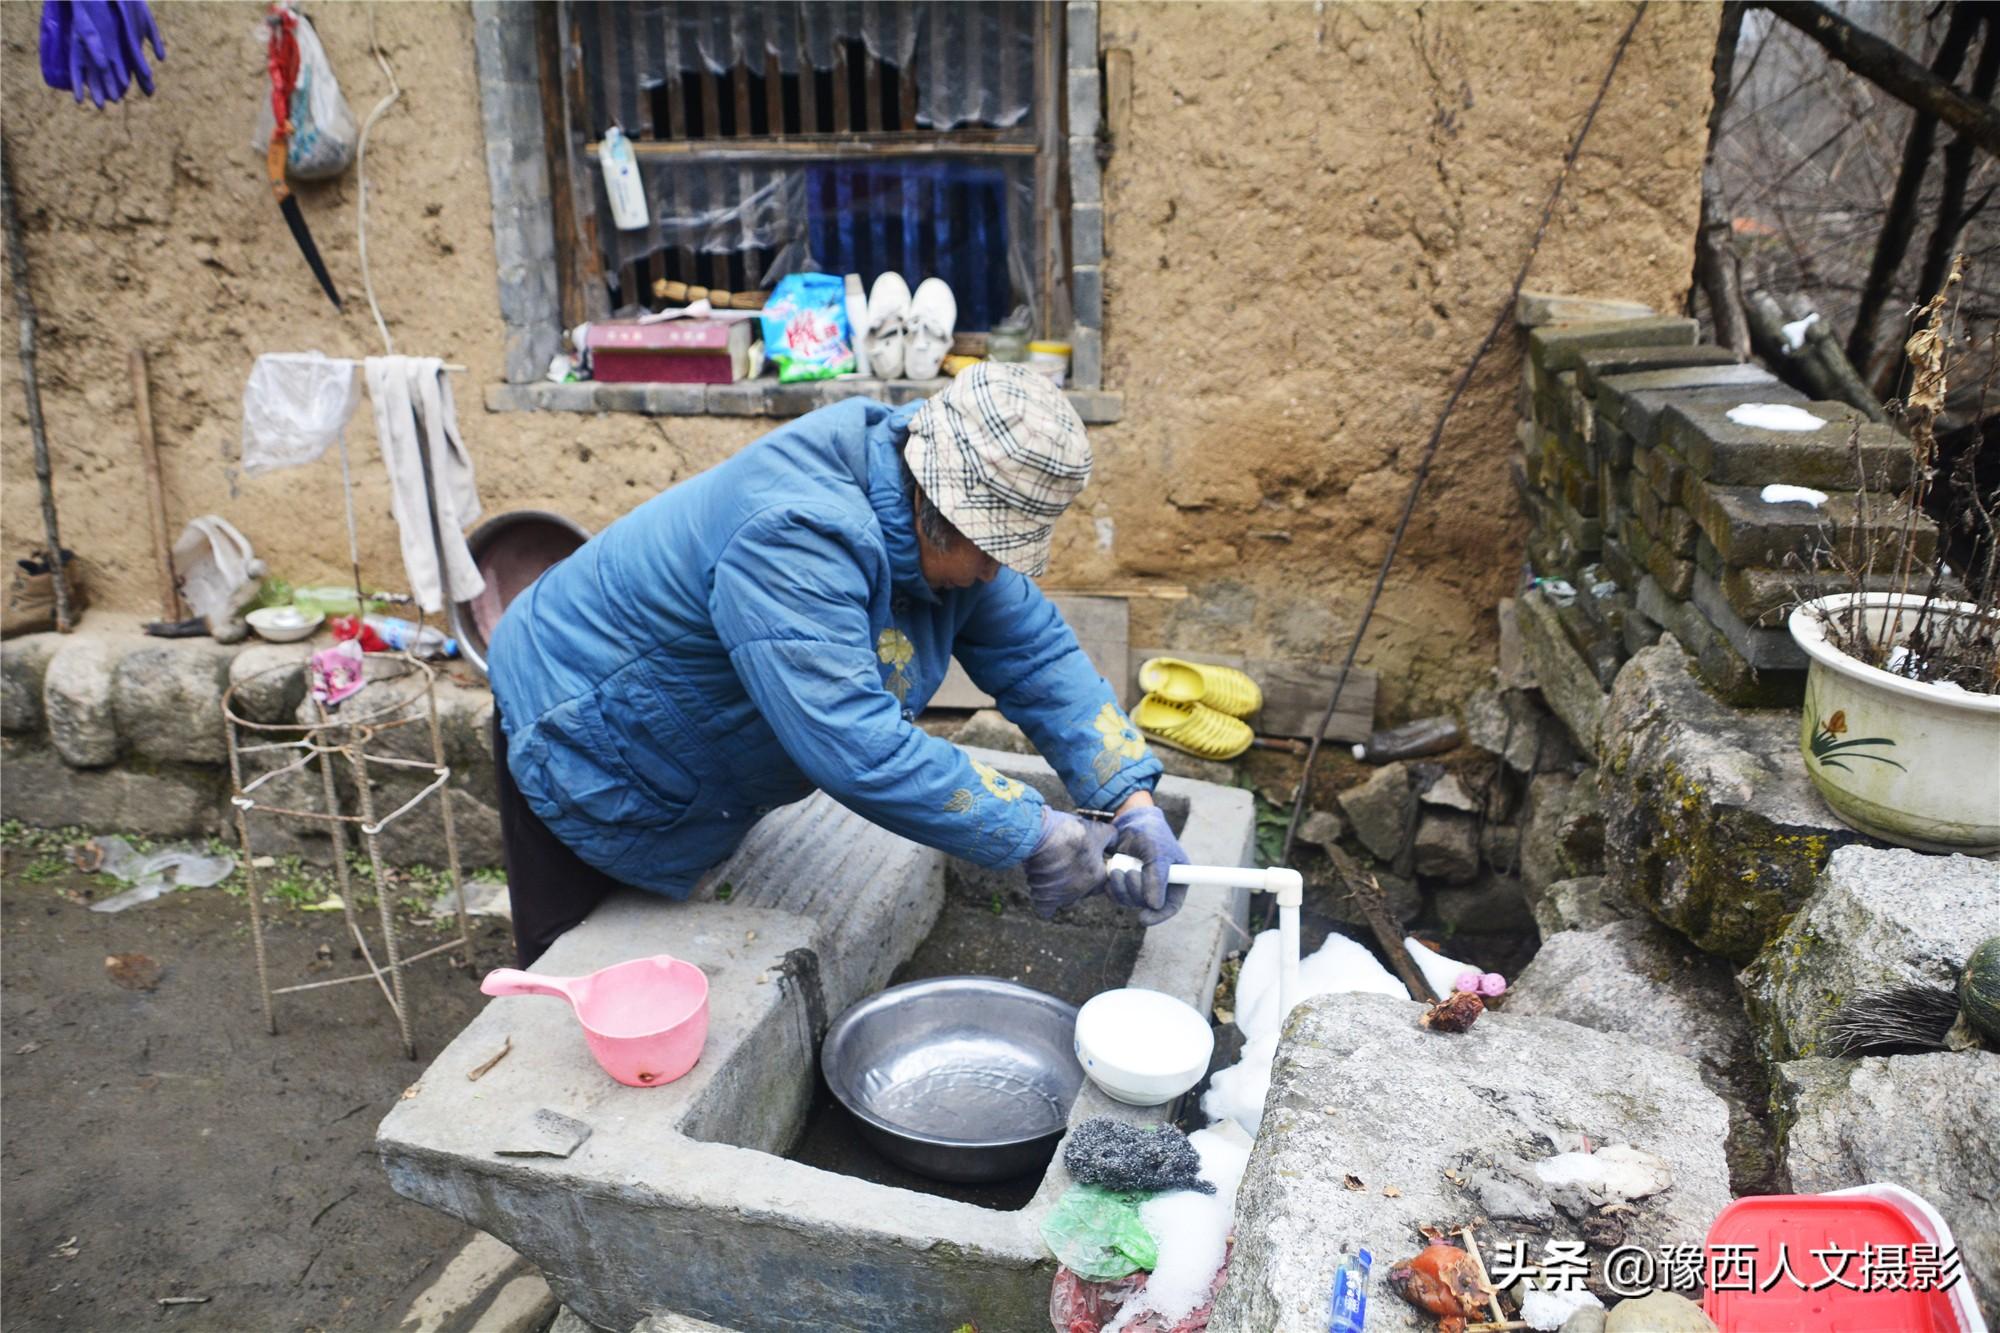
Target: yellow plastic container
x,y
1051,359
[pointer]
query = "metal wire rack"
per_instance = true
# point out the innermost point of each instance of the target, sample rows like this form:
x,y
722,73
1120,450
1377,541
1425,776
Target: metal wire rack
x,y
400,692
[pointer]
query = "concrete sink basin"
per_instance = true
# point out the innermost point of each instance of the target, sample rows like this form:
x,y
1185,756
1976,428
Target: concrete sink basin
x,y
681,1199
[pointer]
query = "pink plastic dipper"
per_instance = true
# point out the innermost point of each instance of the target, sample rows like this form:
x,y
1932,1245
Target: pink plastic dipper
x,y
645,1020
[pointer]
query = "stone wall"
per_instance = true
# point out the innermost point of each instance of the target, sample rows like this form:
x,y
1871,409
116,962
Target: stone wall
x,y
113,730
1643,500
1309,216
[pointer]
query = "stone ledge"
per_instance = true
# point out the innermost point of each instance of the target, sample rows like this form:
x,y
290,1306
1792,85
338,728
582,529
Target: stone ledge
x,y
1710,819
749,398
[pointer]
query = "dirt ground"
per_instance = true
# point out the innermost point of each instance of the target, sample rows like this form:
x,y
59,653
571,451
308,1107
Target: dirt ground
x,y
162,1143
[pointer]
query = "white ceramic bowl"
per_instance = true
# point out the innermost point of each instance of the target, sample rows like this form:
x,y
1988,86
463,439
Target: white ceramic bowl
x,y
283,624
1141,1046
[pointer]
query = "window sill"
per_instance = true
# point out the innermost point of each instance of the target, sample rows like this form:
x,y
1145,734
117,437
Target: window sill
x,y
748,398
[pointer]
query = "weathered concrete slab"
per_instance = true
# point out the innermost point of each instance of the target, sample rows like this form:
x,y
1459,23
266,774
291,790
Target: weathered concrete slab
x,y
1642,413
1359,1091
483,1288
678,1201
1722,451
1568,684
1710,819
1640,980
1930,1123
1534,309
1880,917
1556,347
1593,366
1746,531
812,859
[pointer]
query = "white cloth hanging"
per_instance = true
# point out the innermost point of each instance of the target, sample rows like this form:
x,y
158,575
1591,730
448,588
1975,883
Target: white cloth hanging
x,y
294,405
414,411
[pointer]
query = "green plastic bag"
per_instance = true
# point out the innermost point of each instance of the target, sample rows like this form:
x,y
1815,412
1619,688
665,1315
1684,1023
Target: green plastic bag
x,y
1097,1233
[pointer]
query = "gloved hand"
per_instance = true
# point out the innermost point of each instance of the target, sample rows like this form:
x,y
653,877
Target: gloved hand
x,y
1143,832
1067,865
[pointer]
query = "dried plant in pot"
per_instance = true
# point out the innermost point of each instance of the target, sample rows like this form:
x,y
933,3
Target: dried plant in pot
x,y
1901,730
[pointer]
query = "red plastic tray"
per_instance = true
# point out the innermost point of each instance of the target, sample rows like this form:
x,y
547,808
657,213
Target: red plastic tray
x,y
1801,1224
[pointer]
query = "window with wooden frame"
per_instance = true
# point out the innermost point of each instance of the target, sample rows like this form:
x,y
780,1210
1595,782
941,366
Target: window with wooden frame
x,y
838,136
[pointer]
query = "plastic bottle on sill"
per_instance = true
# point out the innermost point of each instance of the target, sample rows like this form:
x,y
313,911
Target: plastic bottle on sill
x,y
621,181
404,636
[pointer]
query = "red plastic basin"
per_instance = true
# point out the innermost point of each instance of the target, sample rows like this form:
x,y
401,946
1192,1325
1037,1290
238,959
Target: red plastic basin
x,y
1759,1228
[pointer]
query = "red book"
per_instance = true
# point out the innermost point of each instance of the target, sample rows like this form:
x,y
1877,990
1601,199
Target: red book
x,y
676,351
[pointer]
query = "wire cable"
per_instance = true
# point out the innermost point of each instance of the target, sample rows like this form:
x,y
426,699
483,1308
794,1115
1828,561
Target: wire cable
x,y
1500,318
361,177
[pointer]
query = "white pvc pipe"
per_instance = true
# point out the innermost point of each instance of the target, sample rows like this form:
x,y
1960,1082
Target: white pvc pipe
x,y
1288,885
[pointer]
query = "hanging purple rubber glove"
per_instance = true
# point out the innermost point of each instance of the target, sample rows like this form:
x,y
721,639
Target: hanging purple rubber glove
x,y
135,26
97,58
1067,864
55,43
1143,832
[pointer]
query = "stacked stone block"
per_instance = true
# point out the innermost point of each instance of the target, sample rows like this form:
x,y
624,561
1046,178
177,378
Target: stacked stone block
x,y
1645,499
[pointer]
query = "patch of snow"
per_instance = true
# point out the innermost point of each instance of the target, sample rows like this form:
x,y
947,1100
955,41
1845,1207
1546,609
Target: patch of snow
x,y
1774,416
1191,1230
1236,1095
1780,494
1341,964
1550,1310
1609,1175
1795,332
1902,662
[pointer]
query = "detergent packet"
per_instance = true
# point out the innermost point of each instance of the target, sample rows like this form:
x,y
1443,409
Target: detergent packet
x,y
805,328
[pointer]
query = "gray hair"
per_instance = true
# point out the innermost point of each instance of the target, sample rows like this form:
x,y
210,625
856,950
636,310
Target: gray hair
x,y
936,529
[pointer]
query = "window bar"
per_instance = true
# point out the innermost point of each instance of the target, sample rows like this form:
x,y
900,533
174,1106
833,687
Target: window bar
x,y
841,120
718,261
634,115
871,71
587,19
774,89
711,101
906,77
1049,82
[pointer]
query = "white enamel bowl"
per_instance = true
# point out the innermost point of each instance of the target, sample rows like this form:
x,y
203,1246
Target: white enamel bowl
x,y
1141,1046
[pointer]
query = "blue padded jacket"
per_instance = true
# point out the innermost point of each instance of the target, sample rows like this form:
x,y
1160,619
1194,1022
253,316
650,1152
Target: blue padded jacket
x,y
764,629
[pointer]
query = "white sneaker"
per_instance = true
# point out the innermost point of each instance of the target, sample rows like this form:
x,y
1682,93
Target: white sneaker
x,y
933,316
888,314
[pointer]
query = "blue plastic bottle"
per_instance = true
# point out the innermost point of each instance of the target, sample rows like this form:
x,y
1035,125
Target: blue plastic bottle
x,y
1350,1293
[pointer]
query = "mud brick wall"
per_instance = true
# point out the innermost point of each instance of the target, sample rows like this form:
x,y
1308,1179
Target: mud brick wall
x,y
1643,497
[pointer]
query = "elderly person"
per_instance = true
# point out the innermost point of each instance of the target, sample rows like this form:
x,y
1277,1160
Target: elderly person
x,y
774,626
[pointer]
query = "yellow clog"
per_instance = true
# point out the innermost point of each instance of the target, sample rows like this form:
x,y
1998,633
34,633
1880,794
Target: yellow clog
x,y
1193,728
1225,689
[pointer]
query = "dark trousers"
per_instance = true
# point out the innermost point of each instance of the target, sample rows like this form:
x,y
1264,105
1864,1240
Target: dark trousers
x,y
550,886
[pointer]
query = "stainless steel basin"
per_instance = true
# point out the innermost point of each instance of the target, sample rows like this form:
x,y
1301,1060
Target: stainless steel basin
x,y
960,1078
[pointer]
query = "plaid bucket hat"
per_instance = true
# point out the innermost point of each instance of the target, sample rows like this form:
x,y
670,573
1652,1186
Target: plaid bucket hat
x,y
1001,453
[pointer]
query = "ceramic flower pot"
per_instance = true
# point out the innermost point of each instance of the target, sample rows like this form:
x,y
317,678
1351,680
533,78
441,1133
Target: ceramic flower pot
x,y
1907,761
